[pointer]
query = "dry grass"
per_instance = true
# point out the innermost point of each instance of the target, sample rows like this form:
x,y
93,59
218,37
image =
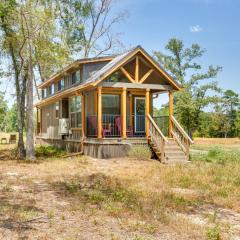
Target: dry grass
x,y
85,198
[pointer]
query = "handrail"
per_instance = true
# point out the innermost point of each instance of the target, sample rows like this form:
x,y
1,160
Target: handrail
x,y
181,129
157,128
157,138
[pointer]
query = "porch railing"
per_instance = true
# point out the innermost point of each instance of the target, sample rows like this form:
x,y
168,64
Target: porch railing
x,y
112,125
157,138
180,136
162,123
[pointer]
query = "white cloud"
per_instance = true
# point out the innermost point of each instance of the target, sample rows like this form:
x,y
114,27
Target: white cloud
x,y
195,29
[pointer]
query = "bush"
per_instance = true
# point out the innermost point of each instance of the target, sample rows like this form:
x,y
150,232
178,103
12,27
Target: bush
x,y
49,151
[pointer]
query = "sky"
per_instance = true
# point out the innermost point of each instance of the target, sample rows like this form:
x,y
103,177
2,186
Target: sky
x,y
213,24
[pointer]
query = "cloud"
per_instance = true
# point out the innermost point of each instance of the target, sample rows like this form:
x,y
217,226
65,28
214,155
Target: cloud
x,y
195,29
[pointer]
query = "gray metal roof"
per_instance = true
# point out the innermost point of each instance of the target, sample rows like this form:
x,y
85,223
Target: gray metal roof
x,y
98,74
117,60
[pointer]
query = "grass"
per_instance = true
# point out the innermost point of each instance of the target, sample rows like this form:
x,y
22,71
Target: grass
x,y
129,198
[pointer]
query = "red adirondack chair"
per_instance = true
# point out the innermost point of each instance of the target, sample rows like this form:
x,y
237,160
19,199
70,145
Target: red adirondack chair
x,y
106,129
118,124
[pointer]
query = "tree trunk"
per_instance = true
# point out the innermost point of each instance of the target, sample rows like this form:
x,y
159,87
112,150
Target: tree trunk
x,y
30,152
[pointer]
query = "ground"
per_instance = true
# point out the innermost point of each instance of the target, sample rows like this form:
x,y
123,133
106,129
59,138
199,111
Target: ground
x,y
130,198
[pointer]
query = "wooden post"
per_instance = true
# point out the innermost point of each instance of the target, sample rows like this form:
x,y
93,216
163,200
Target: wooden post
x,y
131,110
40,122
124,113
37,130
83,116
99,112
137,70
95,102
147,111
170,94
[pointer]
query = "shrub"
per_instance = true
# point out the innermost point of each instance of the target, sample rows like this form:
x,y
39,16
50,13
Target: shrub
x,y
49,151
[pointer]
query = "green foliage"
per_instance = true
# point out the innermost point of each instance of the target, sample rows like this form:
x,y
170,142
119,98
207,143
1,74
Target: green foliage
x,y
218,155
49,151
213,233
11,119
183,66
3,112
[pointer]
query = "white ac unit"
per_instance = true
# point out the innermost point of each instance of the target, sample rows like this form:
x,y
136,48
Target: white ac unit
x,y
63,127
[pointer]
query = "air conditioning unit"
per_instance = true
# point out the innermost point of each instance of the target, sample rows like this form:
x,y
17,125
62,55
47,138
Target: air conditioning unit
x,y
63,127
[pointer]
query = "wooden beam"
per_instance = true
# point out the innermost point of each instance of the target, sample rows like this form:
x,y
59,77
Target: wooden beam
x,y
146,75
95,102
170,94
99,112
41,122
124,113
131,110
37,130
136,86
83,116
137,69
126,73
147,110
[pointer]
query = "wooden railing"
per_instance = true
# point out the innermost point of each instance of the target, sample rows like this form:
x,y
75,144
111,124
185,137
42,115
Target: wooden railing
x,y
180,136
157,137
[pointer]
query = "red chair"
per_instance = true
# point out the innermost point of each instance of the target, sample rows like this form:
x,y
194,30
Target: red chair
x,y
118,124
106,129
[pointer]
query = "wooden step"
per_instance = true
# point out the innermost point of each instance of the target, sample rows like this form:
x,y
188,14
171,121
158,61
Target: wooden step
x,y
174,154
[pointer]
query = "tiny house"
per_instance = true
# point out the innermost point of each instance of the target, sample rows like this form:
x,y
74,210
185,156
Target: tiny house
x,y
103,106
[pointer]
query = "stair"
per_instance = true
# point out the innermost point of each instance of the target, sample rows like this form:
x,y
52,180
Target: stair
x,y
168,150
173,153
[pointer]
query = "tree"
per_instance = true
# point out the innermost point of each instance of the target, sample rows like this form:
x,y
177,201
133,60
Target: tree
x,y
11,119
3,112
87,25
28,31
231,105
11,47
182,65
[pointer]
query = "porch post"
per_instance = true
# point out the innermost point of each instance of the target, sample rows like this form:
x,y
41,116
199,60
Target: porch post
x,y
40,122
124,112
83,116
147,111
37,123
170,94
99,112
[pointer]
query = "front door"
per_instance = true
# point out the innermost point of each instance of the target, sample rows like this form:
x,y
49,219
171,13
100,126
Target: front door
x,y
139,113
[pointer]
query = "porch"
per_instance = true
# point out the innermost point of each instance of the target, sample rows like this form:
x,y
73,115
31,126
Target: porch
x,y
121,113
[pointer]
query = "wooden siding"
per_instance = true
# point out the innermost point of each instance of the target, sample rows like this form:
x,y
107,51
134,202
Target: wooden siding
x,y
49,122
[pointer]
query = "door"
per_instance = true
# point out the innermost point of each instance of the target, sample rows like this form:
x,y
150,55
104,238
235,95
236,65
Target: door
x,y
139,113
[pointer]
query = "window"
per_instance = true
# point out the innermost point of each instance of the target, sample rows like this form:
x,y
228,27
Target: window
x,y
60,84
51,89
117,77
57,109
44,93
76,112
110,104
76,77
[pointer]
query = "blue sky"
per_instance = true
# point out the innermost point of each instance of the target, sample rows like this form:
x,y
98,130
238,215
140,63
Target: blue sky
x,y
213,24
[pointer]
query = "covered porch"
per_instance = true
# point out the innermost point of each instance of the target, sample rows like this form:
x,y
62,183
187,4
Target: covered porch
x,y
123,112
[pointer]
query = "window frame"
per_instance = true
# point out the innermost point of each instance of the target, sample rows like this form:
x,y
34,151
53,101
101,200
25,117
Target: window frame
x,y
61,84
74,112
